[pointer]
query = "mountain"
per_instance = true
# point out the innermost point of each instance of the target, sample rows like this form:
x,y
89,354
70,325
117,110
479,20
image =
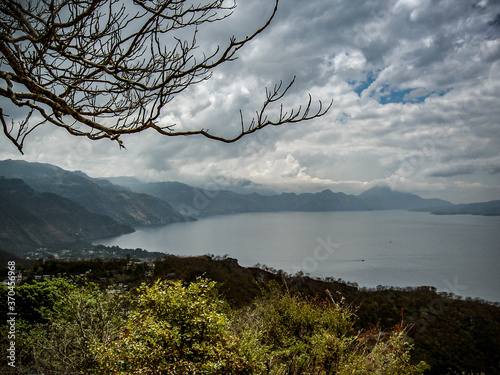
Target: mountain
x,y
323,201
491,208
96,195
383,198
29,219
130,201
199,202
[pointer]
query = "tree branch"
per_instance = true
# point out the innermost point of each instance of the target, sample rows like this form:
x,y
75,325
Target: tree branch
x,y
105,68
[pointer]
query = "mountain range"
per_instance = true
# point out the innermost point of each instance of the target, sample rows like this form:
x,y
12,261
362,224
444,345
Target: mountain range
x,y
42,205
199,202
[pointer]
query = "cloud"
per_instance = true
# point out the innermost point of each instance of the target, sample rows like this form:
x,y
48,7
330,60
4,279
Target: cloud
x,y
415,86
453,170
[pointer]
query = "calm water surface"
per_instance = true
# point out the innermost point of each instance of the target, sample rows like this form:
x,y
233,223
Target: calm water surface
x,y
458,254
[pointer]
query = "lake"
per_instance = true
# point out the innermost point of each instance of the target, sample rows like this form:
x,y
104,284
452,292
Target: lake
x,y
458,254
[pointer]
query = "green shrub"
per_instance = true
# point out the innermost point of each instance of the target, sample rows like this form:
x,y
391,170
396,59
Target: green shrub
x,y
174,329
58,330
286,334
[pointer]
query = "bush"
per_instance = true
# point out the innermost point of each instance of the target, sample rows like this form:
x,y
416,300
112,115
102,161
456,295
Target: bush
x,y
290,335
174,330
57,331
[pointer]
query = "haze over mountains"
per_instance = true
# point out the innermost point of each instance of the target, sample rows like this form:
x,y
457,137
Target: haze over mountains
x,y
199,202
42,205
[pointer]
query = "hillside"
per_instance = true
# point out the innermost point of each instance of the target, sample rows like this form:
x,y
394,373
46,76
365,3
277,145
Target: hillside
x,y
118,203
6,257
491,208
383,198
453,335
21,229
29,219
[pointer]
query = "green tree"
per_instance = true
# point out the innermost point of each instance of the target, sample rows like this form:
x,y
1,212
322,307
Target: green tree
x,y
58,322
174,329
32,301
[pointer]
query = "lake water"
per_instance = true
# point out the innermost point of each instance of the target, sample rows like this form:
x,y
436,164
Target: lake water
x,y
458,254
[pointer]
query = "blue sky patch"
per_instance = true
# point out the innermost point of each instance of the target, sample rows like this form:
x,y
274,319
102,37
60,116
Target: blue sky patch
x,y
387,94
360,86
411,95
400,96
343,118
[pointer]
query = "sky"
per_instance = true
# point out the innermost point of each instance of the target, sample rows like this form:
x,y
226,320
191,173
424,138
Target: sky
x,y
415,86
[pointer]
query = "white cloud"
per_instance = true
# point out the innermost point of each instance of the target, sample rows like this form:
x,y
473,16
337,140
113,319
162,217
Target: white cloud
x,y
426,120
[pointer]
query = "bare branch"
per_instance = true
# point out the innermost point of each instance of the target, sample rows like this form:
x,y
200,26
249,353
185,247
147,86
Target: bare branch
x,y
104,68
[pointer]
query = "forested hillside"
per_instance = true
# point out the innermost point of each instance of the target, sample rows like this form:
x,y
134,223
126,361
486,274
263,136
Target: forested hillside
x,y
29,219
237,320
491,208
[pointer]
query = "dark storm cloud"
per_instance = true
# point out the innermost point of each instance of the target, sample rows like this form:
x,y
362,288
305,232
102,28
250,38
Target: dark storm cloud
x,y
452,171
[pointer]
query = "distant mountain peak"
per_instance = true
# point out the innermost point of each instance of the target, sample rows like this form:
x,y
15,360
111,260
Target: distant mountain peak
x,y
384,198
327,192
379,189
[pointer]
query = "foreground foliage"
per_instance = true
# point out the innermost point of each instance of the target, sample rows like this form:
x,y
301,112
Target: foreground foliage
x,y
287,334
175,328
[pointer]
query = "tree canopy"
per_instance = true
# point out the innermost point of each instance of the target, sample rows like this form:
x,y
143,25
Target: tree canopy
x,y
105,68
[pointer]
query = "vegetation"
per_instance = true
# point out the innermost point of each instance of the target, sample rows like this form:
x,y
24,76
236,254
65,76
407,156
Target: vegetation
x,y
173,329
176,328
287,334
208,315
